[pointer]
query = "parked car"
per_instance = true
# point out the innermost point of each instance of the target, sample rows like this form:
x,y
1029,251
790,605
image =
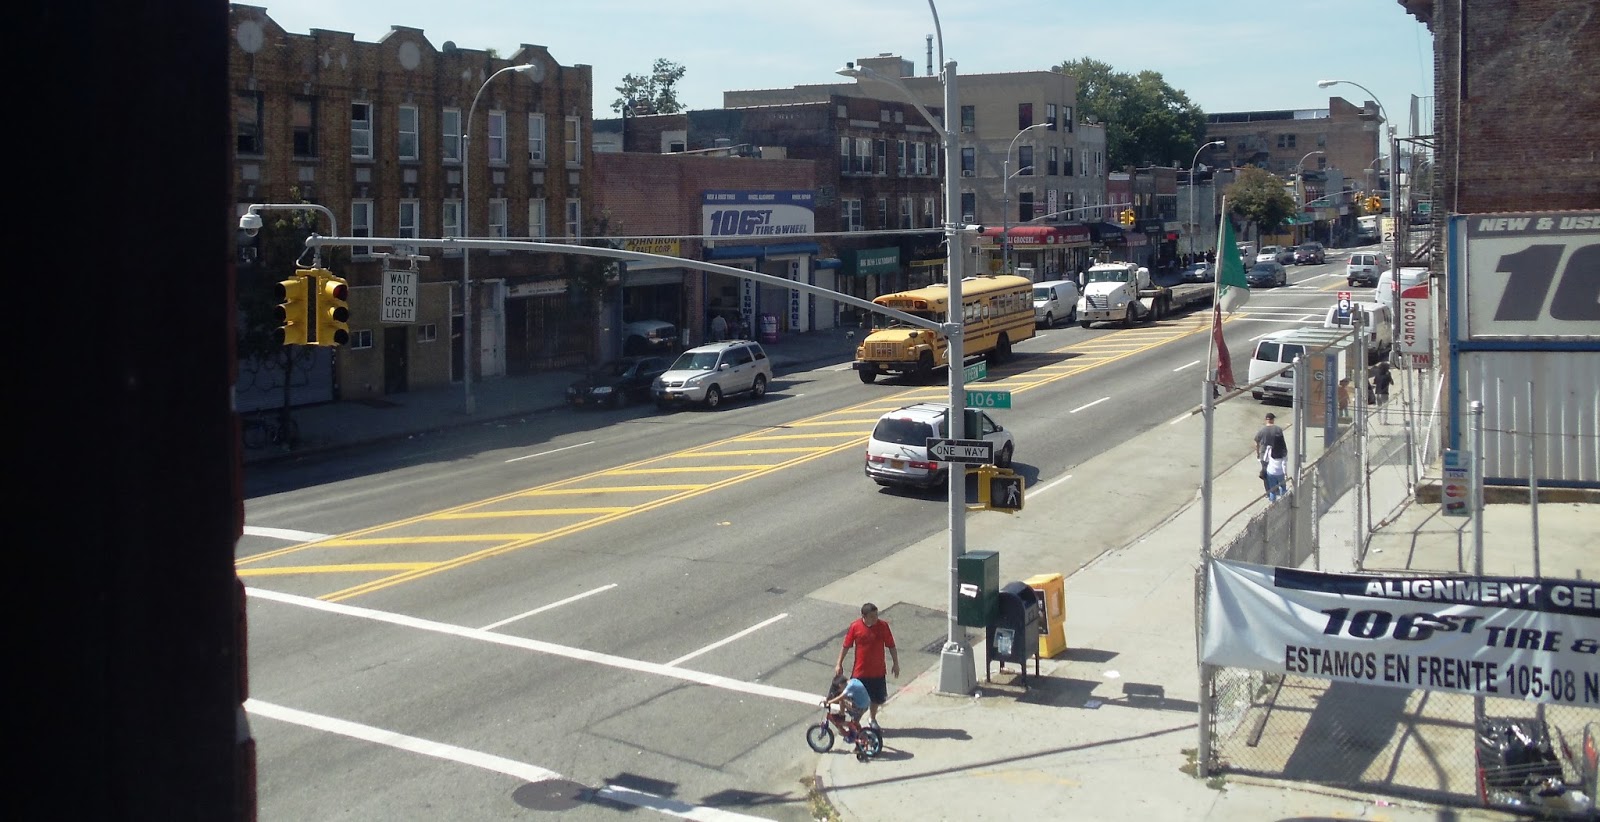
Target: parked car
x,y
617,383
1310,254
707,373
897,452
649,337
1276,254
1269,273
1364,267
1198,273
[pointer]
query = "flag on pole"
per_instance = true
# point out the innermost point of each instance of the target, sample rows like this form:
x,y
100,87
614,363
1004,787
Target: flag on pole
x,y
1224,361
1233,291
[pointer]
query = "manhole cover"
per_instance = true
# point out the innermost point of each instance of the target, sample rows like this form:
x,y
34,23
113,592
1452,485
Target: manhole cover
x,y
551,795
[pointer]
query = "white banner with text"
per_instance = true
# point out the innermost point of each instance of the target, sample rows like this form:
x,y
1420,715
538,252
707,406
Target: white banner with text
x,y
1514,637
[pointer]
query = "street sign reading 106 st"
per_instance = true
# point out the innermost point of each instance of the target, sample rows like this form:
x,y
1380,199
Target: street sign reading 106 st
x,y
984,398
973,452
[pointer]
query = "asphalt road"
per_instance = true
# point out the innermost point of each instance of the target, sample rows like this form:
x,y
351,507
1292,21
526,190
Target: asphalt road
x,y
624,598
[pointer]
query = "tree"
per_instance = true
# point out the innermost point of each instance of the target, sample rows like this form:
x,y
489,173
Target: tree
x,y
655,94
1148,122
1261,198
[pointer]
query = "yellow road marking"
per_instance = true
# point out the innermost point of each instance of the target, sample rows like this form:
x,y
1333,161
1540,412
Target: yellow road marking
x,y
334,569
528,512
428,540
682,469
619,489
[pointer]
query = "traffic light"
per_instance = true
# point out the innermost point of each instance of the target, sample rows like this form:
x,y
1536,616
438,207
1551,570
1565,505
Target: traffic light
x,y
999,489
1374,204
333,308
294,310
1127,217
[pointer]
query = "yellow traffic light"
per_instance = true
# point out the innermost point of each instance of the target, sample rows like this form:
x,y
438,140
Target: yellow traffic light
x,y
333,308
999,489
294,310
1128,217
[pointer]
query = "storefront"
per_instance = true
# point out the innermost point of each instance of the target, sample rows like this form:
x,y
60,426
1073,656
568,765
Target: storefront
x,y
748,218
649,289
1047,251
1110,242
868,273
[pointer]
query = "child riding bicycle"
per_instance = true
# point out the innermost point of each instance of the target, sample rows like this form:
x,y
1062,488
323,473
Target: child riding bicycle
x,y
851,698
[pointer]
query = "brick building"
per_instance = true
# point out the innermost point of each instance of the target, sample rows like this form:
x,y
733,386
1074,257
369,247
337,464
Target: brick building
x,y
375,132
1347,137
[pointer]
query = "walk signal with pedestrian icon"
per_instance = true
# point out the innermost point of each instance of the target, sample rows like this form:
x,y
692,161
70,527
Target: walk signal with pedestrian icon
x,y
333,308
999,489
294,310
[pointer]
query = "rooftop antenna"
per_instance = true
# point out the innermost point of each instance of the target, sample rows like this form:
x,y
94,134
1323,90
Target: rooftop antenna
x,y
930,55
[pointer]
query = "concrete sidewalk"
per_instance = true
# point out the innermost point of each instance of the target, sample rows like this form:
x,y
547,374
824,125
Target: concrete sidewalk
x,y
1108,731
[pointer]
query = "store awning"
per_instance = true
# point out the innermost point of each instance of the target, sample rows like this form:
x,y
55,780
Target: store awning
x,y
740,252
1041,234
1106,233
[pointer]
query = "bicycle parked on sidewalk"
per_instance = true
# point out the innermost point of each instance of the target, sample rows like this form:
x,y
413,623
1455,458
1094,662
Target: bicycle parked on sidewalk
x,y
261,430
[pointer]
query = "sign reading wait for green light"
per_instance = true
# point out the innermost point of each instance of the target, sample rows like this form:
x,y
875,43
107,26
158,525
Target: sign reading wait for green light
x,y
988,399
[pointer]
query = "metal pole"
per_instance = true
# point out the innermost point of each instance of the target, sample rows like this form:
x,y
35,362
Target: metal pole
x,y
957,672
1005,212
1476,409
1208,386
1533,476
1358,321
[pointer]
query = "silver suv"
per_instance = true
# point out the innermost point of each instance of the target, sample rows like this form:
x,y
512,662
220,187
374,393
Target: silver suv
x,y
706,374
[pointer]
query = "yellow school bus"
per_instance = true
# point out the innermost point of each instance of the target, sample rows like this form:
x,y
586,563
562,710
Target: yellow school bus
x,y
997,313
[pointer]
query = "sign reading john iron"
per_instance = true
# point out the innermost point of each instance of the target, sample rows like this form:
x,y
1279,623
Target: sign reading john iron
x,y
1523,638
757,215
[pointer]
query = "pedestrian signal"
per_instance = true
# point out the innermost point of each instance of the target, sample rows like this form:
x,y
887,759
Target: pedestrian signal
x,y
999,489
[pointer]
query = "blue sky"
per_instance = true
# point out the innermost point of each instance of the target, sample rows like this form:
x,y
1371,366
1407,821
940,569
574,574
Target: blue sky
x,y
1226,55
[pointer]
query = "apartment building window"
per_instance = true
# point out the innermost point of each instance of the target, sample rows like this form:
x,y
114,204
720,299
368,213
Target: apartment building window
x,y
538,220
1285,141
1051,166
969,161
361,131
883,212
1024,206
1050,114
904,148
1066,169
1066,117
497,136
933,159
850,214
247,122
969,207
303,126
410,219
497,218
536,138
921,163
905,212
1067,200
969,118
410,140
1024,115
450,134
863,159
450,223
928,212
880,155
361,226
574,142
844,155
1025,161
574,218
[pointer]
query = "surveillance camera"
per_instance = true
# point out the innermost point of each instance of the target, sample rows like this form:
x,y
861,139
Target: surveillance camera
x,y
973,228
250,223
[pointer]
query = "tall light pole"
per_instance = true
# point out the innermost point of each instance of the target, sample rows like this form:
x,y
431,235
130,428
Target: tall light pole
x,y
1394,189
1300,185
466,231
1005,189
1194,217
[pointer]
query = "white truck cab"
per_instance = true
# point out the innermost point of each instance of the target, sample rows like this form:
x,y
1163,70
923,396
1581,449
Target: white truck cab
x,y
1112,292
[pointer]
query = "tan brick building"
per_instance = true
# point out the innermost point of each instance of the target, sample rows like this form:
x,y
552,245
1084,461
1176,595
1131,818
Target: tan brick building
x,y
1349,138
375,132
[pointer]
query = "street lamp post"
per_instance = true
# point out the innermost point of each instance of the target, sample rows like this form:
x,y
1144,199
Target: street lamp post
x,y
1300,184
1194,217
1005,189
466,231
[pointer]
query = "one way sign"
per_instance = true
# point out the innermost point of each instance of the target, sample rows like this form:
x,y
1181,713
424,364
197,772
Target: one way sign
x,y
972,452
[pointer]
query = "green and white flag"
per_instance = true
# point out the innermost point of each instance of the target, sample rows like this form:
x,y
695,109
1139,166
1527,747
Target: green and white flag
x,y
1233,291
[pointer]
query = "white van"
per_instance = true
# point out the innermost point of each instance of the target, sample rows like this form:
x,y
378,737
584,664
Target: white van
x,y
1055,301
1379,322
1363,267
1275,351
1409,276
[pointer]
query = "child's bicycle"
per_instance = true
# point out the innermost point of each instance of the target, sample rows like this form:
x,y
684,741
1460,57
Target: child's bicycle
x,y
868,740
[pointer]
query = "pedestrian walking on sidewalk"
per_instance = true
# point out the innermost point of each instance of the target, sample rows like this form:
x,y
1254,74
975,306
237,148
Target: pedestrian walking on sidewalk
x,y
1268,432
719,328
1344,398
870,636
1277,470
1381,380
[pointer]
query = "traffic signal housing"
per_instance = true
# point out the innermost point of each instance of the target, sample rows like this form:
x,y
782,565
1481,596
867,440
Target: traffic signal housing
x,y
294,310
333,308
1127,217
999,489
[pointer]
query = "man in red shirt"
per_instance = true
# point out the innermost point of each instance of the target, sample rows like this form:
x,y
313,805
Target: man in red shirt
x,y
870,636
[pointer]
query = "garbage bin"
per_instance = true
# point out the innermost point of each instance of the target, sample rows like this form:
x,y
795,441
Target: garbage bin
x,y
769,328
977,587
1052,594
1013,634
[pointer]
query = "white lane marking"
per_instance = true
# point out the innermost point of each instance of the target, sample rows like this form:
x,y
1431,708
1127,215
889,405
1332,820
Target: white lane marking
x,y
1090,405
1189,365
284,533
711,680
479,759
719,643
1047,486
541,609
551,451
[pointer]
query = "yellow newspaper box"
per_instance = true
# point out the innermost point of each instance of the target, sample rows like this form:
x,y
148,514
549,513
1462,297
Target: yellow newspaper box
x,y
1053,615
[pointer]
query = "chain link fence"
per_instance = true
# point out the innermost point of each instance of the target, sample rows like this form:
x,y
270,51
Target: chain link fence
x,y
1434,746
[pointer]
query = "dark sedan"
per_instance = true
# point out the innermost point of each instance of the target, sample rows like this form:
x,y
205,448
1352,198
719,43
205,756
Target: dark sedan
x,y
1310,254
1267,275
617,383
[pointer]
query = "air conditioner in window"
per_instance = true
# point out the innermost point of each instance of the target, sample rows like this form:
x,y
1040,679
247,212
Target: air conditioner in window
x,y
966,172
